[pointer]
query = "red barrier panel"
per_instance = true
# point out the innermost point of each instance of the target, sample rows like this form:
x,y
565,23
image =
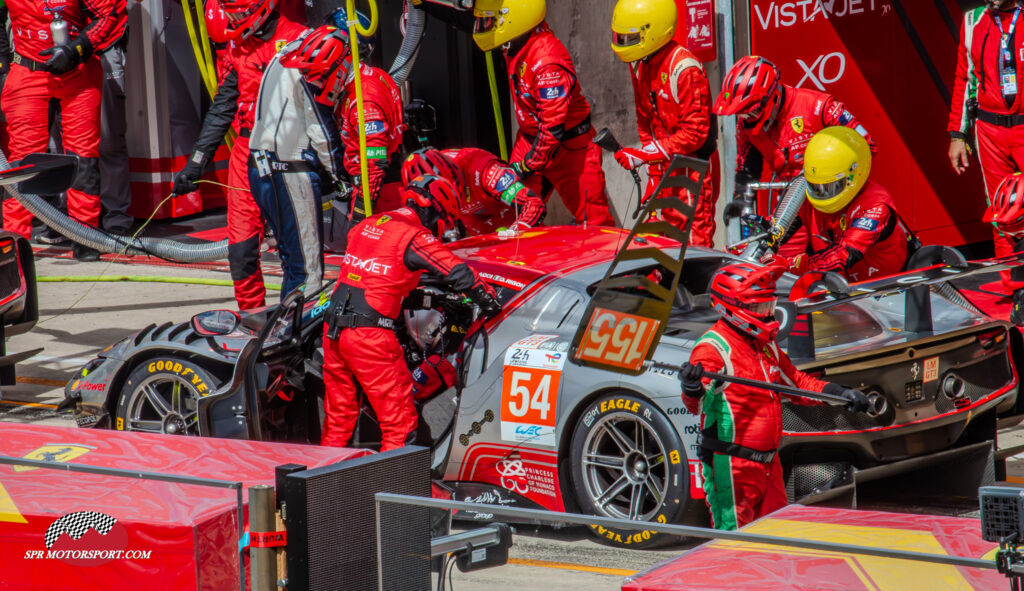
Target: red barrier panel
x,y
66,530
725,564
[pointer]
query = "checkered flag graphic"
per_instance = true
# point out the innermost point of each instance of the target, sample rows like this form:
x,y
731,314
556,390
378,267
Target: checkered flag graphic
x,y
76,524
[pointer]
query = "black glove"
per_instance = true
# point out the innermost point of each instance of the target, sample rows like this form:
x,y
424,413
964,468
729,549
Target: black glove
x,y
1017,309
690,375
856,400
64,58
484,297
186,180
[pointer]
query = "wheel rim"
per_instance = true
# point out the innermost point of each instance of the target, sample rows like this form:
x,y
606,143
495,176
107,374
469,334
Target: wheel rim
x,y
163,403
624,469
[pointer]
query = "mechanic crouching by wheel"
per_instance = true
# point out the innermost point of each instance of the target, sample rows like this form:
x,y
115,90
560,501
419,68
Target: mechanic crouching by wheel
x,y
488,183
555,142
853,224
741,426
386,255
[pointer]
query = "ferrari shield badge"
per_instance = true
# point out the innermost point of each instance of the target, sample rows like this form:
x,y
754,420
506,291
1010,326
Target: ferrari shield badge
x,y
797,123
54,452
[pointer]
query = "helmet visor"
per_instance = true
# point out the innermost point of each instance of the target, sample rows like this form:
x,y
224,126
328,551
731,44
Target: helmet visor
x,y
625,39
763,309
826,191
483,24
237,17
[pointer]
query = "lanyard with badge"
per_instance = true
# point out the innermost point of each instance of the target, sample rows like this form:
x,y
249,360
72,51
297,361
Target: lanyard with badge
x,y
1007,71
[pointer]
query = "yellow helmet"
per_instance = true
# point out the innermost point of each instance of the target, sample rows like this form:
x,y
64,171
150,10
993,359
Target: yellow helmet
x,y
641,27
501,21
837,162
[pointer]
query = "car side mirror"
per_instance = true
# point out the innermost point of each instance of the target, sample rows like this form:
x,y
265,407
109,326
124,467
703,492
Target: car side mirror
x,y
216,322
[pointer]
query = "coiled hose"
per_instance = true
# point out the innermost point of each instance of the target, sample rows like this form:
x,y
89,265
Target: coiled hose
x,y
409,49
782,219
102,241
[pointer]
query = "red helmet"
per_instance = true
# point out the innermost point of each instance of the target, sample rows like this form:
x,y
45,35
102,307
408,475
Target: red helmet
x,y
1007,208
430,161
439,193
245,17
751,89
319,54
216,22
744,293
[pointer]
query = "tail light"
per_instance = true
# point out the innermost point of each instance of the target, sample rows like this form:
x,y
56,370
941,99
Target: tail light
x,y
990,339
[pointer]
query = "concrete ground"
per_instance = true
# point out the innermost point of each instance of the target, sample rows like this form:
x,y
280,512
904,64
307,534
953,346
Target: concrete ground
x,y
79,319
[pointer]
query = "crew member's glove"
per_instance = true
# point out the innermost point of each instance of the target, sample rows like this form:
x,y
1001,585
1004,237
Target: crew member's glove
x,y
64,58
690,375
632,158
521,169
434,375
187,180
484,297
856,401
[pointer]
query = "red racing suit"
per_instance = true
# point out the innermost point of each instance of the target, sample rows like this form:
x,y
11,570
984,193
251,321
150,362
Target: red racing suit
x,y
738,489
673,108
382,115
233,108
492,187
999,127
802,114
28,90
555,140
863,240
385,257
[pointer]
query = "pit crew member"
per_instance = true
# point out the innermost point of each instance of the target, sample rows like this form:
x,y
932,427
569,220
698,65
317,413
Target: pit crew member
x,y
257,30
386,255
488,184
382,114
852,221
741,426
1006,213
555,142
986,93
70,74
775,122
296,147
673,105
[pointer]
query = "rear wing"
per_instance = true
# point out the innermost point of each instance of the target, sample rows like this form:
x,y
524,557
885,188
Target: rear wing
x,y
810,294
626,315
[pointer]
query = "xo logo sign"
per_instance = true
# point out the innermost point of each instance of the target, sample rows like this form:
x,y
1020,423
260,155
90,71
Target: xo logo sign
x,y
826,69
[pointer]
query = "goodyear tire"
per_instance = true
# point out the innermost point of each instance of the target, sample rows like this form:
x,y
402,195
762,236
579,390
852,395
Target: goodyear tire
x,y
628,462
160,396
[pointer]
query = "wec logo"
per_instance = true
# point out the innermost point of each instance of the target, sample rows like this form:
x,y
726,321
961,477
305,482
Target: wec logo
x,y
367,265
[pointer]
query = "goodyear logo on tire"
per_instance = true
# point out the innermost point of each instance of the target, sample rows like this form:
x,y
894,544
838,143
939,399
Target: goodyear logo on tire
x,y
182,371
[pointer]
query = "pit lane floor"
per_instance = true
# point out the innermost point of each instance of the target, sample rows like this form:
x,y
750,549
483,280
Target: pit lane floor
x,y
77,320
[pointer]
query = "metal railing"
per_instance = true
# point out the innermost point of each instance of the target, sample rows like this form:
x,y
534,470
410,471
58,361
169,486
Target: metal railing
x,y
678,530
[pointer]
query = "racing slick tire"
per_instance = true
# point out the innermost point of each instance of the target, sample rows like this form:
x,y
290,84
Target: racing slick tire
x,y
628,462
160,396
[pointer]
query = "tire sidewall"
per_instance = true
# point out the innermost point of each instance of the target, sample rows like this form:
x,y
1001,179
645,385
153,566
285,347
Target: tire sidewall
x,y
202,381
677,495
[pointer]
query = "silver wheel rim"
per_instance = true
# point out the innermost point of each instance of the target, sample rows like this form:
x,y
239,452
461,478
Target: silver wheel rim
x,y
163,403
625,472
